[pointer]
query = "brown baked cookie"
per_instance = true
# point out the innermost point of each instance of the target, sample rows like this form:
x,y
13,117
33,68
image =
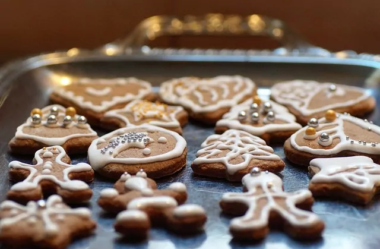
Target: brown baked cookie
x,y
355,179
207,100
140,204
265,205
267,120
335,135
311,99
93,97
158,151
233,154
48,225
144,112
51,173
53,125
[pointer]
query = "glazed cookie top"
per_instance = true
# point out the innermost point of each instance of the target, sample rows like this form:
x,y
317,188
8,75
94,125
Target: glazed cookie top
x,y
258,117
136,145
54,125
358,173
311,97
234,149
140,111
335,133
99,95
207,95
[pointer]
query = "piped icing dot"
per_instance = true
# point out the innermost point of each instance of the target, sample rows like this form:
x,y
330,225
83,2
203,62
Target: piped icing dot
x,y
162,140
141,173
46,171
125,176
330,115
146,151
257,100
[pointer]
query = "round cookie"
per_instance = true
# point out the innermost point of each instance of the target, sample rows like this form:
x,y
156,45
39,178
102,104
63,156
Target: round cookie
x,y
311,99
265,119
158,151
53,125
93,97
144,112
207,99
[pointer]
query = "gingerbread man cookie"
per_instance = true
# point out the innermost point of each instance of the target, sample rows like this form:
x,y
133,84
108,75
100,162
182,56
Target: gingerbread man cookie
x,y
144,112
355,179
335,135
311,99
53,125
140,204
233,154
93,97
51,174
160,152
265,204
268,120
50,224
207,100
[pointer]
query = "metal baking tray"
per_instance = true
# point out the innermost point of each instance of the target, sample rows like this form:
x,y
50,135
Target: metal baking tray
x,y
24,84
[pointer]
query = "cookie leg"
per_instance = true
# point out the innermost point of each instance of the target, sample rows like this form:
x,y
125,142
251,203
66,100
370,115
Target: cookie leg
x,y
132,224
24,196
186,218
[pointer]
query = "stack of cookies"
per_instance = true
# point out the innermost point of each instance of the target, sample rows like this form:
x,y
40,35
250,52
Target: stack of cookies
x,y
317,123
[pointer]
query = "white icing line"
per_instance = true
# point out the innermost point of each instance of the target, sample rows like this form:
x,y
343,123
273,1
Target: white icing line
x,y
101,92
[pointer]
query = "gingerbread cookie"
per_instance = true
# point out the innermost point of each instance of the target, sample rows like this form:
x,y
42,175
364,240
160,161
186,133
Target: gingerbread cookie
x,y
207,100
268,120
311,99
266,205
93,97
41,224
335,135
233,154
52,173
355,179
144,112
140,204
158,151
53,125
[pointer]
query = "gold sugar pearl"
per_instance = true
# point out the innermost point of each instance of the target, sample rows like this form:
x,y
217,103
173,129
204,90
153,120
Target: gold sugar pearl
x,y
257,100
36,111
70,111
44,148
310,131
330,115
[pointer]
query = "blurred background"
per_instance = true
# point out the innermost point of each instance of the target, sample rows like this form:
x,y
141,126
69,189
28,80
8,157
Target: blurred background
x,y
31,27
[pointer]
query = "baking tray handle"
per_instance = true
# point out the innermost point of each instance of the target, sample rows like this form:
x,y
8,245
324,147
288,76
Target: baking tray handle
x,y
213,24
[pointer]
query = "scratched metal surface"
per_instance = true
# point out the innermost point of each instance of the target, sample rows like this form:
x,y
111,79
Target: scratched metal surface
x,y
347,226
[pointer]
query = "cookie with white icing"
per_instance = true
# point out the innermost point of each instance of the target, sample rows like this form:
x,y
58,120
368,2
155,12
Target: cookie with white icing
x,y
207,99
53,125
51,173
310,99
355,179
140,204
233,154
265,204
158,151
267,120
49,224
335,135
93,97
145,112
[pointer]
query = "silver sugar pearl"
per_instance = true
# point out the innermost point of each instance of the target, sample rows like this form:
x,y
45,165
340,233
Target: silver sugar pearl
x,y
255,117
332,88
242,115
313,122
67,120
36,119
52,119
352,142
365,120
255,171
82,120
373,145
267,107
41,203
254,107
369,129
54,110
347,138
360,141
324,137
364,142
270,116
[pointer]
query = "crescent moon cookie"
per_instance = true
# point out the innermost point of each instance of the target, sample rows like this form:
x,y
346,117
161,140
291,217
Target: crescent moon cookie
x,y
265,205
335,135
144,112
267,120
51,173
49,224
158,151
53,125
139,204
93,97
207,100
355,179
311,99
233,154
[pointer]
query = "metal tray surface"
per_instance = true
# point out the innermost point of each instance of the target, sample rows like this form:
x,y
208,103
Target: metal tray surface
x,y
347,226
